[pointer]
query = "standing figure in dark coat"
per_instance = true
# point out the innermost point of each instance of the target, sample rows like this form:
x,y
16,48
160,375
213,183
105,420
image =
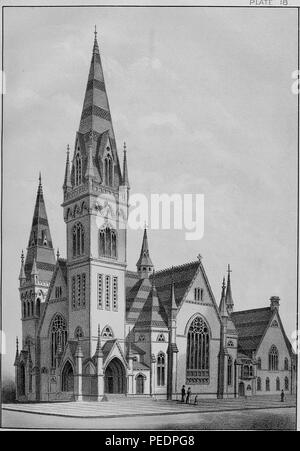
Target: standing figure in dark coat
x,y
282,396
183,393
188,395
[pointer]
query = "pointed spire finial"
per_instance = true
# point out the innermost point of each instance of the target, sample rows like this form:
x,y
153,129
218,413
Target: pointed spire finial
x,y
124,147
95,32
68,149
125,180
40,178
57,254
229,300
22,257
17,345
99,352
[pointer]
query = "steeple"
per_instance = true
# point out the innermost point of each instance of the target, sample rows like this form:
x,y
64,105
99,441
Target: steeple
x,y
40,247
125,180
229,300
67,181
95,112
144,264
223,307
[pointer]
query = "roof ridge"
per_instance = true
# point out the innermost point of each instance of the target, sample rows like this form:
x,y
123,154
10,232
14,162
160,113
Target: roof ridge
x,y
250,310
176,267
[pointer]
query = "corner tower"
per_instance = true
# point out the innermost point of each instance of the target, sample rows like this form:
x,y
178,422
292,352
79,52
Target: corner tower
x,y
95,212
36,272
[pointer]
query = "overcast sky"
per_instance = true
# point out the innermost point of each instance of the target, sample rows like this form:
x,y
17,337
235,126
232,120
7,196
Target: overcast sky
x,y
203,99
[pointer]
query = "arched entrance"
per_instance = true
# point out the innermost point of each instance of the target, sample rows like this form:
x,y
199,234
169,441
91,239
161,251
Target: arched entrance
x,y
67,378
115,377
140,384
241,389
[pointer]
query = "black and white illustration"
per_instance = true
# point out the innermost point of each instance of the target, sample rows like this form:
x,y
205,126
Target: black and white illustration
x,y
150,179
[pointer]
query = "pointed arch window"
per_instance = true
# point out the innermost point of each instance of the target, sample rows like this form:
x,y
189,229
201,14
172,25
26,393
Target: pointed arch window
x,y
267,384
78,239
38,307
229,371
161,362
286,383
108,170
108,242
78,169
59,336
258,384
259,363
286,364
277,384
197,363
273,359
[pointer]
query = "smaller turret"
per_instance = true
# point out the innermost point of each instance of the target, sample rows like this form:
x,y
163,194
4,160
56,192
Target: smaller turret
x,y
125,180
67,181
144,264
22,276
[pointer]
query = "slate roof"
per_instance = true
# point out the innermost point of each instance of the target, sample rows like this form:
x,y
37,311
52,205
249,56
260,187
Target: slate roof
x,y
138,290
42,254
251,326
152,313
139,366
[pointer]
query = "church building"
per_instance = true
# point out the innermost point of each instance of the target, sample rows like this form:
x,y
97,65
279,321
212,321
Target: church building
x,y
91,328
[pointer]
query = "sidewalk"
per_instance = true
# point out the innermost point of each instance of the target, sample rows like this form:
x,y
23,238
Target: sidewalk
x,y
131,407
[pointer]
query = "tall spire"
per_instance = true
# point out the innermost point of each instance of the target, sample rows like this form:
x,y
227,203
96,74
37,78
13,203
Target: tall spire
x,y
223,307
95,112
125,180
144,263
40,246
229,300
67,181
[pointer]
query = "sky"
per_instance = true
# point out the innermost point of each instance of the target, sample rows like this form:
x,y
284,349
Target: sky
x,y
202,98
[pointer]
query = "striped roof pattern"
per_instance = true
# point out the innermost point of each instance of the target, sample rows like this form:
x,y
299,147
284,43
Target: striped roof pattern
x,y
143,301
39,249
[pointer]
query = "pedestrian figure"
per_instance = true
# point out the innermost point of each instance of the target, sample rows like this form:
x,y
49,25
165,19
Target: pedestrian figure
x,y
282,396
183,393
188,395
196,400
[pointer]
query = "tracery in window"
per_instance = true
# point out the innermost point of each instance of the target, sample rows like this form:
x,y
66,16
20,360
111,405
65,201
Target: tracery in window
x,y
197,366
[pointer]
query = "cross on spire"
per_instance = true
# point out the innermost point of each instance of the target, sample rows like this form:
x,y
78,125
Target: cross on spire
x,y
229,270
95,32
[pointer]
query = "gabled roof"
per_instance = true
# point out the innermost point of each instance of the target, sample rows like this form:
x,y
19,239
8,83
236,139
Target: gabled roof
x,y
251,326
137,290
182,275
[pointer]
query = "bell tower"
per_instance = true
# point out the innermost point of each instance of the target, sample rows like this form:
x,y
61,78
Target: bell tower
x,y
95,207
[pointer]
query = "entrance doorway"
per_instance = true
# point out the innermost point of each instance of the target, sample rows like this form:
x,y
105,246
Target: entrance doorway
x,y
140,384
115,377
241,389
67,378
